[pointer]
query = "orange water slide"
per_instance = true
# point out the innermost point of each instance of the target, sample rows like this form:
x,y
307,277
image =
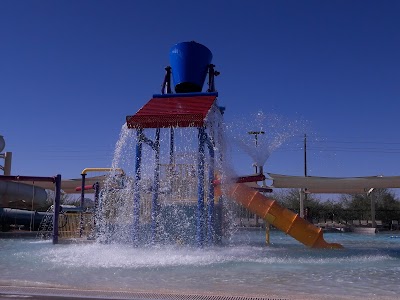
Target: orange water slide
x,y
278,216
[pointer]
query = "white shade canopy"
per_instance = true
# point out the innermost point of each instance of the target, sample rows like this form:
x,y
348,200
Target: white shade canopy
x,y
69,185
335,185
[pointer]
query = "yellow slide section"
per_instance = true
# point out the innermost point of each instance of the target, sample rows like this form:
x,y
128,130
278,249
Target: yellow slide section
x,y
278,216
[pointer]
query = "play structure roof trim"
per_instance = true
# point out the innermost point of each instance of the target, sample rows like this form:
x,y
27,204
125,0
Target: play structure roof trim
x,y
335,185
172,112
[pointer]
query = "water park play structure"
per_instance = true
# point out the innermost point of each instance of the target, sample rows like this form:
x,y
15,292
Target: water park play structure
x,y
189,107
171,182
177,187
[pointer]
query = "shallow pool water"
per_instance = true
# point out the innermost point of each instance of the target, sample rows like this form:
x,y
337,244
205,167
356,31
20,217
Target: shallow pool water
x,y
368,267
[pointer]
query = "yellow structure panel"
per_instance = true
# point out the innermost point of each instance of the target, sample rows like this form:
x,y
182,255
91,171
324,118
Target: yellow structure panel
x,y
69,224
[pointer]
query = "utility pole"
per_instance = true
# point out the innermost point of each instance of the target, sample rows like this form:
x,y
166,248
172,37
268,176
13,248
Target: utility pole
x,y
259,169
256,133
305,155
303,194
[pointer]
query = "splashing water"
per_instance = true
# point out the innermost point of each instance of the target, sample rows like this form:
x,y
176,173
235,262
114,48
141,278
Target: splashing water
x,y
177,190
368,267
261,134
179,179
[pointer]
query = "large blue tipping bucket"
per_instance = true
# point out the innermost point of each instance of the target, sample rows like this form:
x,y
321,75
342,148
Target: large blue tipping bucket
x,y
189,62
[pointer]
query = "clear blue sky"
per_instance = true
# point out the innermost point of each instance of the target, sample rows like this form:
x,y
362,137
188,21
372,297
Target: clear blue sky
x,y
70,71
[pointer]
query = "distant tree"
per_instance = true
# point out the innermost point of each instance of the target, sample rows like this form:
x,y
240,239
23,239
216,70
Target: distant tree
x,y
290,198
337,211
346,208
387,207
358,207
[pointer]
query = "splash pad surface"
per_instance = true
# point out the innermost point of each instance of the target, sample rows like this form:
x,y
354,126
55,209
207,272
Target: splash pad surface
x,y
368,267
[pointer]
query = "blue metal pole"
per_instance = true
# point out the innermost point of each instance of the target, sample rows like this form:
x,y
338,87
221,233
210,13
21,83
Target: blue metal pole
x,y
219,220
82,204
136,188
156,185
200,189
171,155
210,202
220,206
171,146
57,201
96,187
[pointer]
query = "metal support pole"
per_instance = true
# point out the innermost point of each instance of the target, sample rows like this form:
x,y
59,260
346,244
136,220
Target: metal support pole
x,y
166,86
219,220
82,204
171,155
156,185
305,170
7,163
302,194
220,162
261,172
171,146
136,188
200,189
267,232
96,187
305,155
57,201
212,73
210,201
372,196
256,133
